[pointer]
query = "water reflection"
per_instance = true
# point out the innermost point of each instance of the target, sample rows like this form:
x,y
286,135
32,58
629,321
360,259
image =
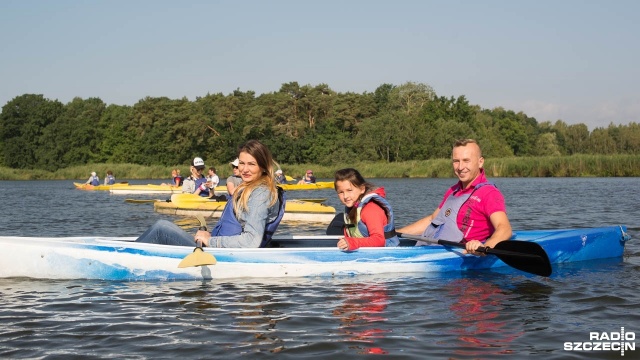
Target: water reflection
x,y
252,317
480,306
362,315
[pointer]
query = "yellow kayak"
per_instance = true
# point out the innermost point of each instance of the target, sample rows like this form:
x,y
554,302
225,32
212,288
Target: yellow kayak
x,y
83,186
290,187
126,189
146,189
317,186
192,205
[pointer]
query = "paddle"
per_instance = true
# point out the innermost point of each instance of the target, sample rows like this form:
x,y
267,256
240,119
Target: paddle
x,y
289,178
522,255
198,257
336,226
193,198
313,200
141,201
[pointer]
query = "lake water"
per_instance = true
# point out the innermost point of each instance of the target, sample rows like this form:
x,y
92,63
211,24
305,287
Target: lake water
x,y
482,314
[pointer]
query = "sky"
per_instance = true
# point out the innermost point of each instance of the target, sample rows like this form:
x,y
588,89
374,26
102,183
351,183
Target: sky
x,y
572,60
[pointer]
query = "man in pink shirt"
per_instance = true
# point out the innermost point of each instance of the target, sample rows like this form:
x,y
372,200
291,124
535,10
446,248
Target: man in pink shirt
x,y
472,211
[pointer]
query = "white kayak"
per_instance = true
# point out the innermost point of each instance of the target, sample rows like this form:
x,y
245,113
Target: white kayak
x,y
122,259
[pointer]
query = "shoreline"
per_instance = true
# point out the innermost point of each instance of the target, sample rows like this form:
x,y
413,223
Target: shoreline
x,y
548,166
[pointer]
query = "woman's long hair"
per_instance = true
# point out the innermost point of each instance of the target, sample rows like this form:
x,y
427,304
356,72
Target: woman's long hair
x,y
353,176
267,178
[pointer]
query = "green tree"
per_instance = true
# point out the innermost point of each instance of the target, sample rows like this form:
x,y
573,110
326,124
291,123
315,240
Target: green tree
x,y
601,142
577,139
74,137
23,120
628,138
546,145
381,96
117,143
411,96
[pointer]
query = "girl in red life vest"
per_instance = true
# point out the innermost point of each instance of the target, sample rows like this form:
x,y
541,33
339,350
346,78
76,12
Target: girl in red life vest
x,y
368,216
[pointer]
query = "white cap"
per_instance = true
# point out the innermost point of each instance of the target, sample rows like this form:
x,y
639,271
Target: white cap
x,y
235,162
197,162
93,173
278,171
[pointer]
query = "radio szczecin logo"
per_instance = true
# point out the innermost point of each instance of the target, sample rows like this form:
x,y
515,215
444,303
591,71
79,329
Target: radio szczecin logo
x,y
605,341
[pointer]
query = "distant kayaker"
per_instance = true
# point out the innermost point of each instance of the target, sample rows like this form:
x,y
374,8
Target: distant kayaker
x,y
472,211
109,179
249,218
234,180
177,178
280,178
212,179
369,220
93,179
308,178
175,181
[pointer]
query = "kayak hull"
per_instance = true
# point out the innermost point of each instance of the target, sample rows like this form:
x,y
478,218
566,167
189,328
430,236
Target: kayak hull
x,y
146,189
88,187
121,259
219,190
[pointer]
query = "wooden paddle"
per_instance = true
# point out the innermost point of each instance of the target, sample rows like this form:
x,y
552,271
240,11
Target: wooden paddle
x,y
522,255
313,200
141,201
198,257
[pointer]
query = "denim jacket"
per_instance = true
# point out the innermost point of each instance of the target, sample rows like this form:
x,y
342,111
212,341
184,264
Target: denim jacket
x,y
253,222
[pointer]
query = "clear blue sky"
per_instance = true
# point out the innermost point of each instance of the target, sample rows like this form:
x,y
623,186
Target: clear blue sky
x,y
574,60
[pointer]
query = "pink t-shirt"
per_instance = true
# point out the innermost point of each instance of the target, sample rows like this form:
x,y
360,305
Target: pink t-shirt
x,y
473,217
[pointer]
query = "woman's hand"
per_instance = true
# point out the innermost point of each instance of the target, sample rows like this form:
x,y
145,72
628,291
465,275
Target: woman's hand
x,y
343,244
202,237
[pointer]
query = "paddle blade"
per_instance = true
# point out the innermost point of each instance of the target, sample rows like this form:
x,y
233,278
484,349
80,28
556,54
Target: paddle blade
x,y
202,221
289,178
336,227
197,258
523,255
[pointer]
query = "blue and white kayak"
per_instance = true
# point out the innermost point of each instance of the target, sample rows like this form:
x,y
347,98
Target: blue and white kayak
x,y
297,256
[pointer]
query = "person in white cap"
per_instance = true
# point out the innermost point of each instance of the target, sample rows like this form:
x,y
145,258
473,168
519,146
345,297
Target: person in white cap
x,y
280,178
196,180
93,179
234,180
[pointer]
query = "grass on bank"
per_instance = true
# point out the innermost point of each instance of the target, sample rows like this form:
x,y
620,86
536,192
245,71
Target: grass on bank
x,y
549,166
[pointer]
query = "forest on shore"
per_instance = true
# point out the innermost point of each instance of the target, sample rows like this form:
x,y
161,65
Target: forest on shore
x,y
304,126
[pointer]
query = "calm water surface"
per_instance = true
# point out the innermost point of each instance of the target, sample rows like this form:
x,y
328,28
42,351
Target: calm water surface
x,y
484,314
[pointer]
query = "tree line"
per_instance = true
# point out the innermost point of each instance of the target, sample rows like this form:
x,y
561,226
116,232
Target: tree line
x,y
300,124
